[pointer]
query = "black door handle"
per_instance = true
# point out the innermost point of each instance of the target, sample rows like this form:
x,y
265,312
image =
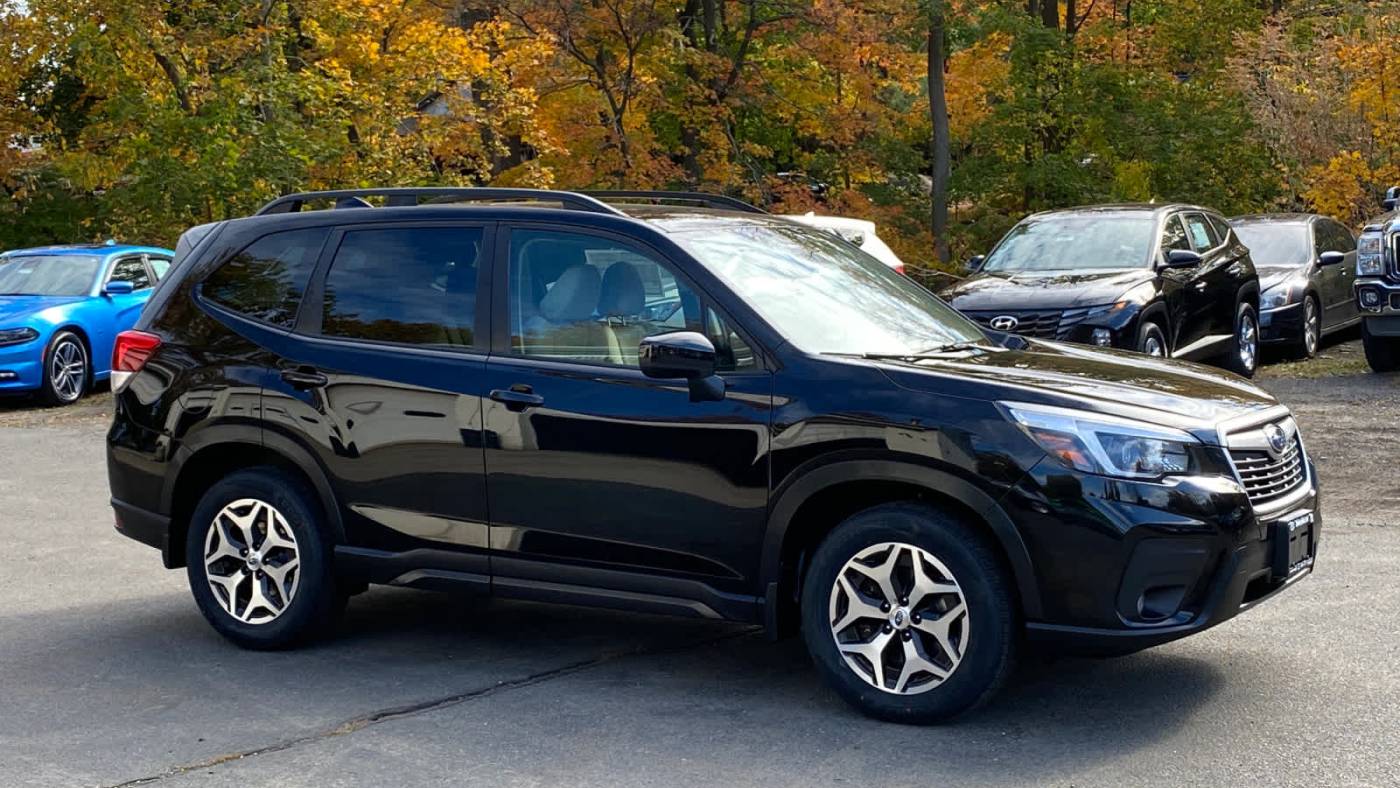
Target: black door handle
x,y
517,397
304,378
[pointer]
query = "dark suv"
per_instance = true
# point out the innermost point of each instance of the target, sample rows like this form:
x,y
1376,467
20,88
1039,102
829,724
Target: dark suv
x,y
1165,280
710,413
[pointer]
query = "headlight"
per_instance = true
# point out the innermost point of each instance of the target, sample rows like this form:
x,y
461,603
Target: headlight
x,y
1278,295
1368,255
14,336
1104,444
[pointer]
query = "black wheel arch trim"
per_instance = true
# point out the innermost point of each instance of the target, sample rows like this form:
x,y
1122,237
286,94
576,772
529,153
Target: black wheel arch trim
x,y
213,436
790,498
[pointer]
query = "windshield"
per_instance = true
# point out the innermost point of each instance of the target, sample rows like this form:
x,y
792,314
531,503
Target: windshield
x,y
48,275
825,296
1271,243
1063,242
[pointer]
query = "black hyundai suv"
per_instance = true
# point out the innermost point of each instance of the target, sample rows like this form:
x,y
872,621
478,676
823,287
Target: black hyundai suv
x,y
1165,280
711,413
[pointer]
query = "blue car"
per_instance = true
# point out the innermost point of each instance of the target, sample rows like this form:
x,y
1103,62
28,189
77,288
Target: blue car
x,y
61,307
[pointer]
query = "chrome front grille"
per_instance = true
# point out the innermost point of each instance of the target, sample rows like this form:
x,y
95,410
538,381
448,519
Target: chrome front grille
x,y
1270,475
1393,266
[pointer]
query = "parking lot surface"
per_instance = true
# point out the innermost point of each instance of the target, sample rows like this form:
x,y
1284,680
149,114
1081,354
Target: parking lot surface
x,y
109,676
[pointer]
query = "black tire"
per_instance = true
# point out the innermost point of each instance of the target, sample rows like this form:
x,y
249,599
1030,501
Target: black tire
x,y
1309,340
65,345
1149,332
315,602
1246,334
1382,353
990,643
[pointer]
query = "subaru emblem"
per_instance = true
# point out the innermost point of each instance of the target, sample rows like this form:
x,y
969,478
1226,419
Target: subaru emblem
x,y
1278,441
1004,322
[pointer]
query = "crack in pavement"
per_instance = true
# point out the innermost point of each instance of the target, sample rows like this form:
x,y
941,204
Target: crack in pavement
x,y
428,706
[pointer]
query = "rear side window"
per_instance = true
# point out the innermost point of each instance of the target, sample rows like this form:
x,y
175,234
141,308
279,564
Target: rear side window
x,y
159,267
411,286
266,280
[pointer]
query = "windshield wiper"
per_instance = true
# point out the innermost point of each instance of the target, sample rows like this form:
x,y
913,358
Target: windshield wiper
x,y
934,353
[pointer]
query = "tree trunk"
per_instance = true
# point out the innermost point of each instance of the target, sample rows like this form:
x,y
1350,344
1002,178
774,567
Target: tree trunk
x,y
1050,13
938,115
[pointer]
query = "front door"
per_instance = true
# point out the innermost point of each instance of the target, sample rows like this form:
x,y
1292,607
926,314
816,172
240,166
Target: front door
x,y
598,476
385,372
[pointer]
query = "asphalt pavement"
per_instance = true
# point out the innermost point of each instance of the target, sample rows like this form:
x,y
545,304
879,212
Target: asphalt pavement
x,y
109,676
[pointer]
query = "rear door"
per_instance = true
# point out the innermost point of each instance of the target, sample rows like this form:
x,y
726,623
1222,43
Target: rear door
x,y
602,480
384,375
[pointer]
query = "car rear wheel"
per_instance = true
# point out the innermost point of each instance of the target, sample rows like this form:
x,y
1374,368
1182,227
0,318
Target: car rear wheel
x,y
259,561
1382,353
1243,356
1152,340
66,370
908,614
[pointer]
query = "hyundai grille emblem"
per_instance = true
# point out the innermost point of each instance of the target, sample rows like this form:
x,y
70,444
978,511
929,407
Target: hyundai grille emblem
x,y
1004,322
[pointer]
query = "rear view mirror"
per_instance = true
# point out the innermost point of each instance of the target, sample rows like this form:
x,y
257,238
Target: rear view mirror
x,y
1392,198
118,288
974,264
1331,258
1183,258
686,355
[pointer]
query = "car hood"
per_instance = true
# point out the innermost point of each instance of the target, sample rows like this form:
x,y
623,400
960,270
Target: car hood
x,y
1170,393
1043,289
1274,275
17,309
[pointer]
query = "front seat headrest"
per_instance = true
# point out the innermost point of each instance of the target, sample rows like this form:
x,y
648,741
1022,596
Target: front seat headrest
x,y
573,297
623,293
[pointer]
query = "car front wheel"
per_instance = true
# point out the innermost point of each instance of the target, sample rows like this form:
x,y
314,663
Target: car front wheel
x,y
1152,340
1243,356
259,561
1382,353
908,615
66,370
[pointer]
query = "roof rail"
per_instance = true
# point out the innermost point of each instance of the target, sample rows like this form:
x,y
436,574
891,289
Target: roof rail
x,y
409,196
707,200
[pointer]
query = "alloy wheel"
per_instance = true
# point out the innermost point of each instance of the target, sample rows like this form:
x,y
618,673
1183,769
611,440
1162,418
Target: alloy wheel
x,y
1249,341
1312,326
899,618
1152,346
68,370
252,561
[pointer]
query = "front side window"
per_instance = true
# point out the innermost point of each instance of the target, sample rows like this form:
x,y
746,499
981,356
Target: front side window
x,y
824,295
48,275
1174,236
410,286
576,297
266,280
1061,242
1202,235
133,270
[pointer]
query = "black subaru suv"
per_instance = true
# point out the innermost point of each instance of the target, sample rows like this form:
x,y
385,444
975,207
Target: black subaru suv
x,y
711,413
1165,280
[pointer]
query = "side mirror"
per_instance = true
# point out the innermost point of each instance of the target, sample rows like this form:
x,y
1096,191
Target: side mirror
x,y
1183,258
974,264
685,355
1331,258
1392,198
118,288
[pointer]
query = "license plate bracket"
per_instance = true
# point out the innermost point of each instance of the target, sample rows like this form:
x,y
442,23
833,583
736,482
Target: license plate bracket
x,y
1292,545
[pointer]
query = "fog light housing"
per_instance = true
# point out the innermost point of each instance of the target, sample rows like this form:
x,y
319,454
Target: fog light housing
x,y
1371,298
1101,337
7,375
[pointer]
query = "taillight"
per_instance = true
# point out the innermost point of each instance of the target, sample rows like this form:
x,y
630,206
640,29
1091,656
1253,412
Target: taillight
x,y
129,354
899,269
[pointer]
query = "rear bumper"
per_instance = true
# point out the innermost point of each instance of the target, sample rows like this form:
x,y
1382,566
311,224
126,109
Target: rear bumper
x,y
148,528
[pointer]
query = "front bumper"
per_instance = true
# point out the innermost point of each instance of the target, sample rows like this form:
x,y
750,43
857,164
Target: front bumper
x,y
1283,324
1123,566
22,366
1387,298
